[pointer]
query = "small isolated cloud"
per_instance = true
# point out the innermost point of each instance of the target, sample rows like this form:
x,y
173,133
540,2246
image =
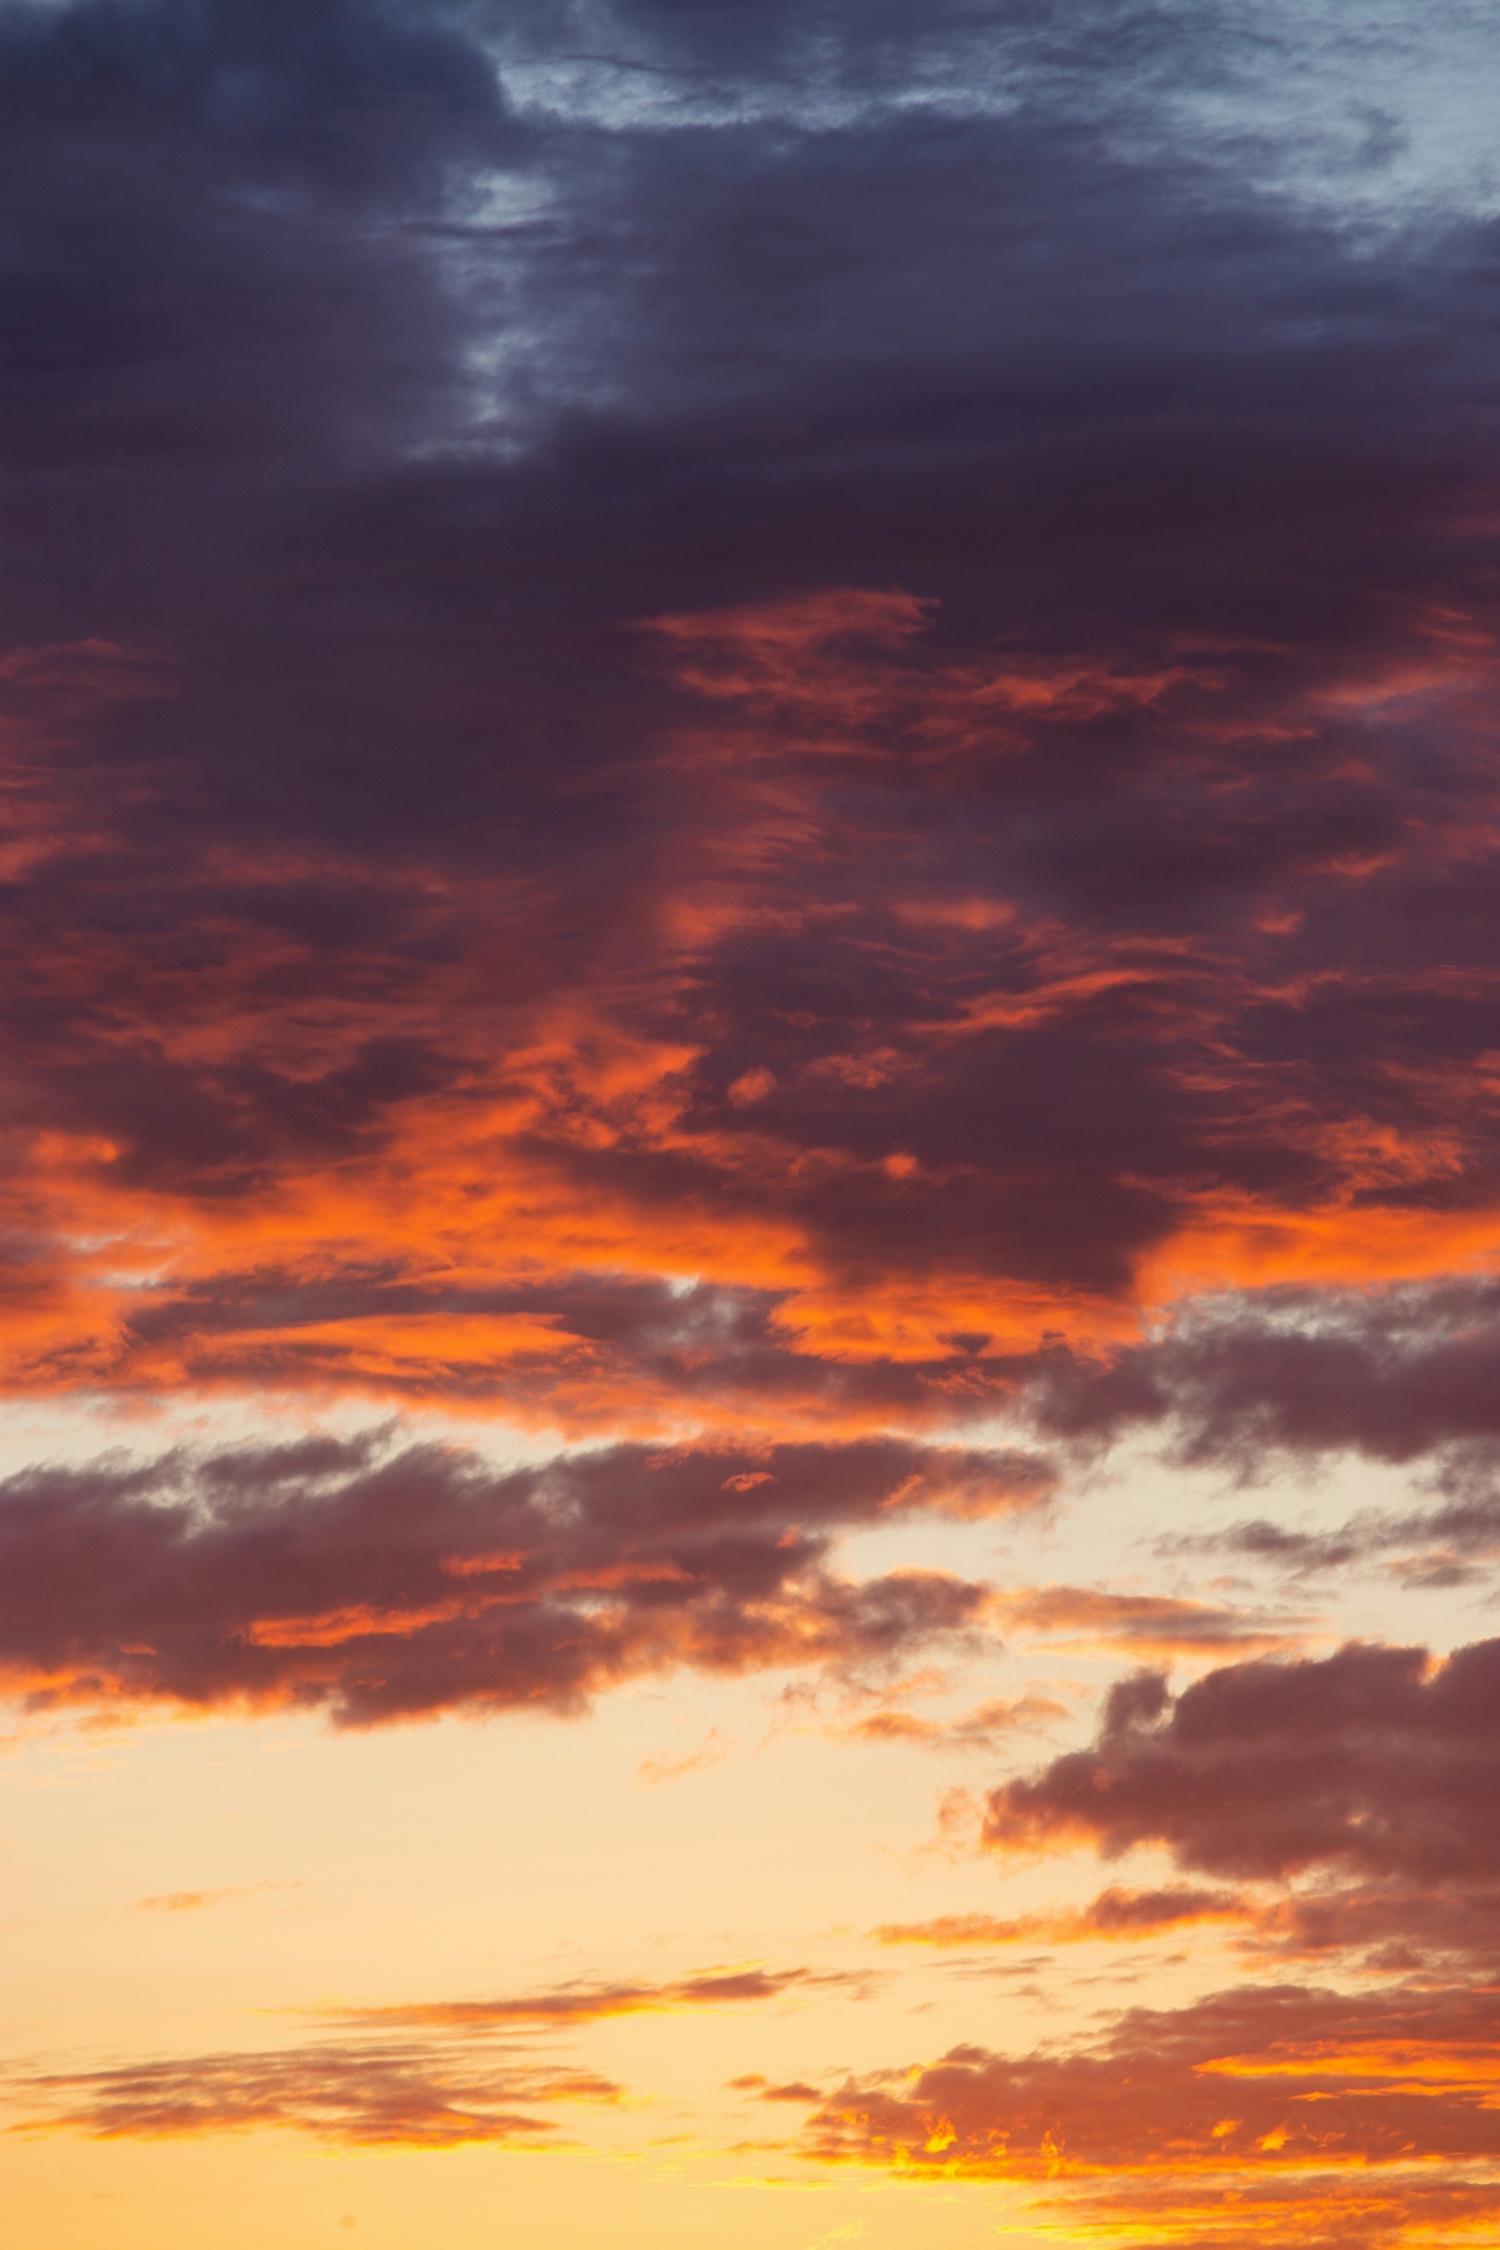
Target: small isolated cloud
x,y
186,1902
590,2003
980,1729
1160,1625
714,1747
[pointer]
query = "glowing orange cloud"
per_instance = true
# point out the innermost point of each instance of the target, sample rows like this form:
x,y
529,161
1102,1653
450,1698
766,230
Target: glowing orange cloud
x,y
399,1168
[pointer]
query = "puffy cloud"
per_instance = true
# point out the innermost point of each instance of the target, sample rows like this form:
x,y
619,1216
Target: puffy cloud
x,y
1354,1795
394,1584
1373,1761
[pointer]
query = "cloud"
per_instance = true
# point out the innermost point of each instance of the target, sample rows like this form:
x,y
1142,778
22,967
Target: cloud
x,y
957,803
714,1747
1349,1798
723,722
381,2089
427,2074
1374,1761
1114,1915
979,1729
588,2003
185,1902
1286,2110
1156,1624
369,2094
1394,1373
383,1585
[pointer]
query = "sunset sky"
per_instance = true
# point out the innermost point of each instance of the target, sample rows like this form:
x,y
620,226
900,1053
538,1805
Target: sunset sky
x,y
749,811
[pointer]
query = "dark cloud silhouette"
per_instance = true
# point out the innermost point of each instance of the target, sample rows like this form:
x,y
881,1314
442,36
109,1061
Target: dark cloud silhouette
x,y
1376,1765
1394,1373
861,687
390,1586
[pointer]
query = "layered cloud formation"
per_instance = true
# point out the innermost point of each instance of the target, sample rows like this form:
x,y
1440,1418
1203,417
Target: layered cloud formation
x,y
748,801
416,1583
924,828
1350,1802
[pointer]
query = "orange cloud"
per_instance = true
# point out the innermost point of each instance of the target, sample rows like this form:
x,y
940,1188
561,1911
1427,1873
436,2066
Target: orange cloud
x,y
591,2003
1115,1916
1290,2115
394,1167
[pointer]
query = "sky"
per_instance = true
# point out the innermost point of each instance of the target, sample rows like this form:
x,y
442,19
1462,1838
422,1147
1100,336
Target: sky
x,y
749,1197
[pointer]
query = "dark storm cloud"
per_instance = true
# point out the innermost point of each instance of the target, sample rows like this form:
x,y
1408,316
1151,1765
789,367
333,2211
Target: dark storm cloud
x,y
876,698
320,1574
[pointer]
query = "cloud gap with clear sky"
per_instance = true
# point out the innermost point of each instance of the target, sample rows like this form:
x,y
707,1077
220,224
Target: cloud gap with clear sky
x,y
748,1361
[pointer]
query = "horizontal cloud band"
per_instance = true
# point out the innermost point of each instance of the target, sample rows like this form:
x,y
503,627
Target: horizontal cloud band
x,y
385,1585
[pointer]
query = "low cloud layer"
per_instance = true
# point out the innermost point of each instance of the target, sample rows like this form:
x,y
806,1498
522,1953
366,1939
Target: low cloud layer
x,y
426,2074
1344,1807
1288,2111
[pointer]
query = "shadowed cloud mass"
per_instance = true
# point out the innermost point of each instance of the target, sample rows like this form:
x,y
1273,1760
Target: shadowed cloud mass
x,y
595,804
1349,1802
758,741
396,1584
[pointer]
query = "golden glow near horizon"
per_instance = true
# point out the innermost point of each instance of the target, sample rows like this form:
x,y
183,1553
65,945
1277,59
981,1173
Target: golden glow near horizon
x,y
749,1210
